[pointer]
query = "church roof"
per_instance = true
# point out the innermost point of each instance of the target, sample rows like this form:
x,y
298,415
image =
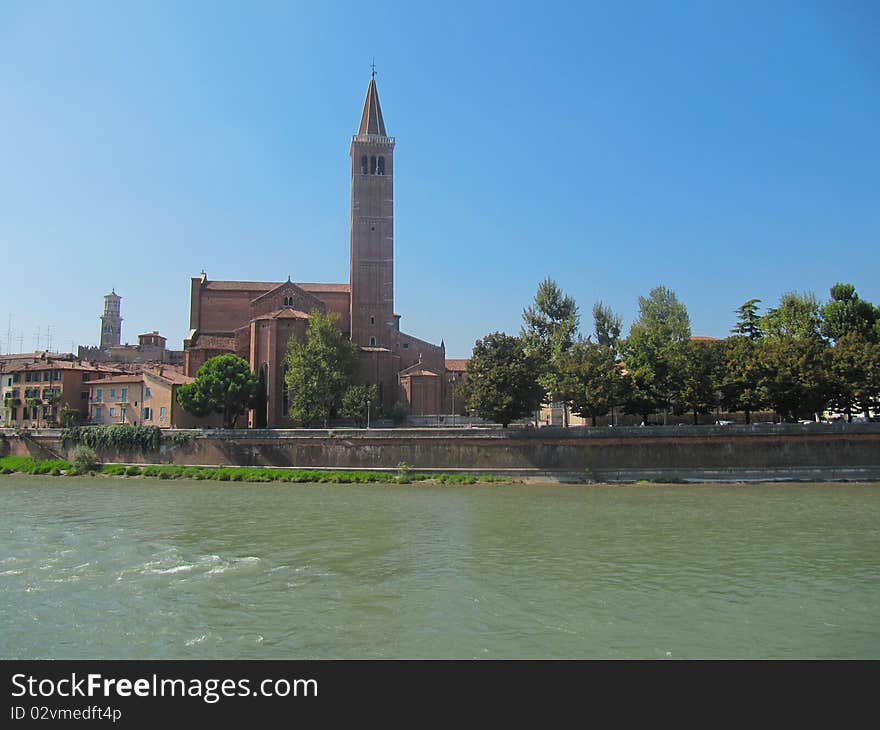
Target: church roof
x,y
415,373
317,288
285,313
264,286
241,285
371,119
417,368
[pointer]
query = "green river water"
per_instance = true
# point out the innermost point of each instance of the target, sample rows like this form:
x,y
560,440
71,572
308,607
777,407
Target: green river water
x,y
137,568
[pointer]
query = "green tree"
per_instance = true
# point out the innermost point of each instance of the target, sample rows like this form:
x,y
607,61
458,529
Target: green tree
x,y
700,377
550,326
855,375
69,417
320,370
224,384
796,375
592,379
360,402
84,458
606,325
261,400
796,316
743,379
502,385
847,314
748,322
654,351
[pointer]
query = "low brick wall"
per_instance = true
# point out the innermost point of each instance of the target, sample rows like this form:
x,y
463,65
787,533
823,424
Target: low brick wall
x,y
703,453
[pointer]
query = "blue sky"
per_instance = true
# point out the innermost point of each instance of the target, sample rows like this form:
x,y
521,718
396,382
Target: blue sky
x,y
726,150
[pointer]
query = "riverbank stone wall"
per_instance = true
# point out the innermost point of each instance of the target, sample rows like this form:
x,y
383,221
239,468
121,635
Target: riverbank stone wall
x,y
662,453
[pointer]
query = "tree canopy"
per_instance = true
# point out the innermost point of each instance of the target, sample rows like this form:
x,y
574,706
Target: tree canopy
x,y
592,379
360,403
799,359
796,316
748,322
319,370
699,377
654,351
550,326
847,314
743,376
224,384
501,385
606,325
796,376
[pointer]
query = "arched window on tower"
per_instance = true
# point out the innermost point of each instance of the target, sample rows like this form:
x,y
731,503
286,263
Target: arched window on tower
x,y
364,165
373,165
381,168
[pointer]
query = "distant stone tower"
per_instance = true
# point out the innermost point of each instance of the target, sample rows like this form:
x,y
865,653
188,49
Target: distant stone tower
x,y
372,229
111,321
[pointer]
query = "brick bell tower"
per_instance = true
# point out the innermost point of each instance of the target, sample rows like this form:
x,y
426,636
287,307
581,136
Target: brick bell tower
x,y
111,321
372,228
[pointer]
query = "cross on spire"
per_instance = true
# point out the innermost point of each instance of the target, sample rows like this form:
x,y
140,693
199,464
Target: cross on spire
x,y
373,68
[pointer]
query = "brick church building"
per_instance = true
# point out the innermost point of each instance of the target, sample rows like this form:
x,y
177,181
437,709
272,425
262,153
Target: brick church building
x,y
256,319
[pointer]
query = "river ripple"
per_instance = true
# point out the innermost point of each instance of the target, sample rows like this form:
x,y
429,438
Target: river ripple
x,y
134,568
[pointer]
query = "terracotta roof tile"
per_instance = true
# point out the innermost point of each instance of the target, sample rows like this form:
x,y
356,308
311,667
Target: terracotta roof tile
x,y
241,285
63,365
283,314
174,377
457,365
134,378
326,288
264,286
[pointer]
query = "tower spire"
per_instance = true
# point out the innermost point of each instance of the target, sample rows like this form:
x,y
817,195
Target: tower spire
x,y
371,119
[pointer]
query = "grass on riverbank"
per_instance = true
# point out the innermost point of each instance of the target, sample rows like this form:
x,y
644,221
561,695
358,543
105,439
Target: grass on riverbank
x,y
60,467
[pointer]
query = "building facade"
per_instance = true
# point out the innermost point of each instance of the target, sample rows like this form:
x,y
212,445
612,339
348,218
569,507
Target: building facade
x,y
256,320
34,393
146,398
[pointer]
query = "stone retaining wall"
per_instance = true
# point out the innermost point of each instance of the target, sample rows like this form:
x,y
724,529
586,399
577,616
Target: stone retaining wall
x,y
702,453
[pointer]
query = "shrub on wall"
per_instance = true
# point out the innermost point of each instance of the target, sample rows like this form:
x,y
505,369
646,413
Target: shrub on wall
x,y
121,437
178,438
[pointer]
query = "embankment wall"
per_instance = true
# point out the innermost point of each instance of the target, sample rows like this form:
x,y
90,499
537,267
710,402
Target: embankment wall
x,y
702,453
